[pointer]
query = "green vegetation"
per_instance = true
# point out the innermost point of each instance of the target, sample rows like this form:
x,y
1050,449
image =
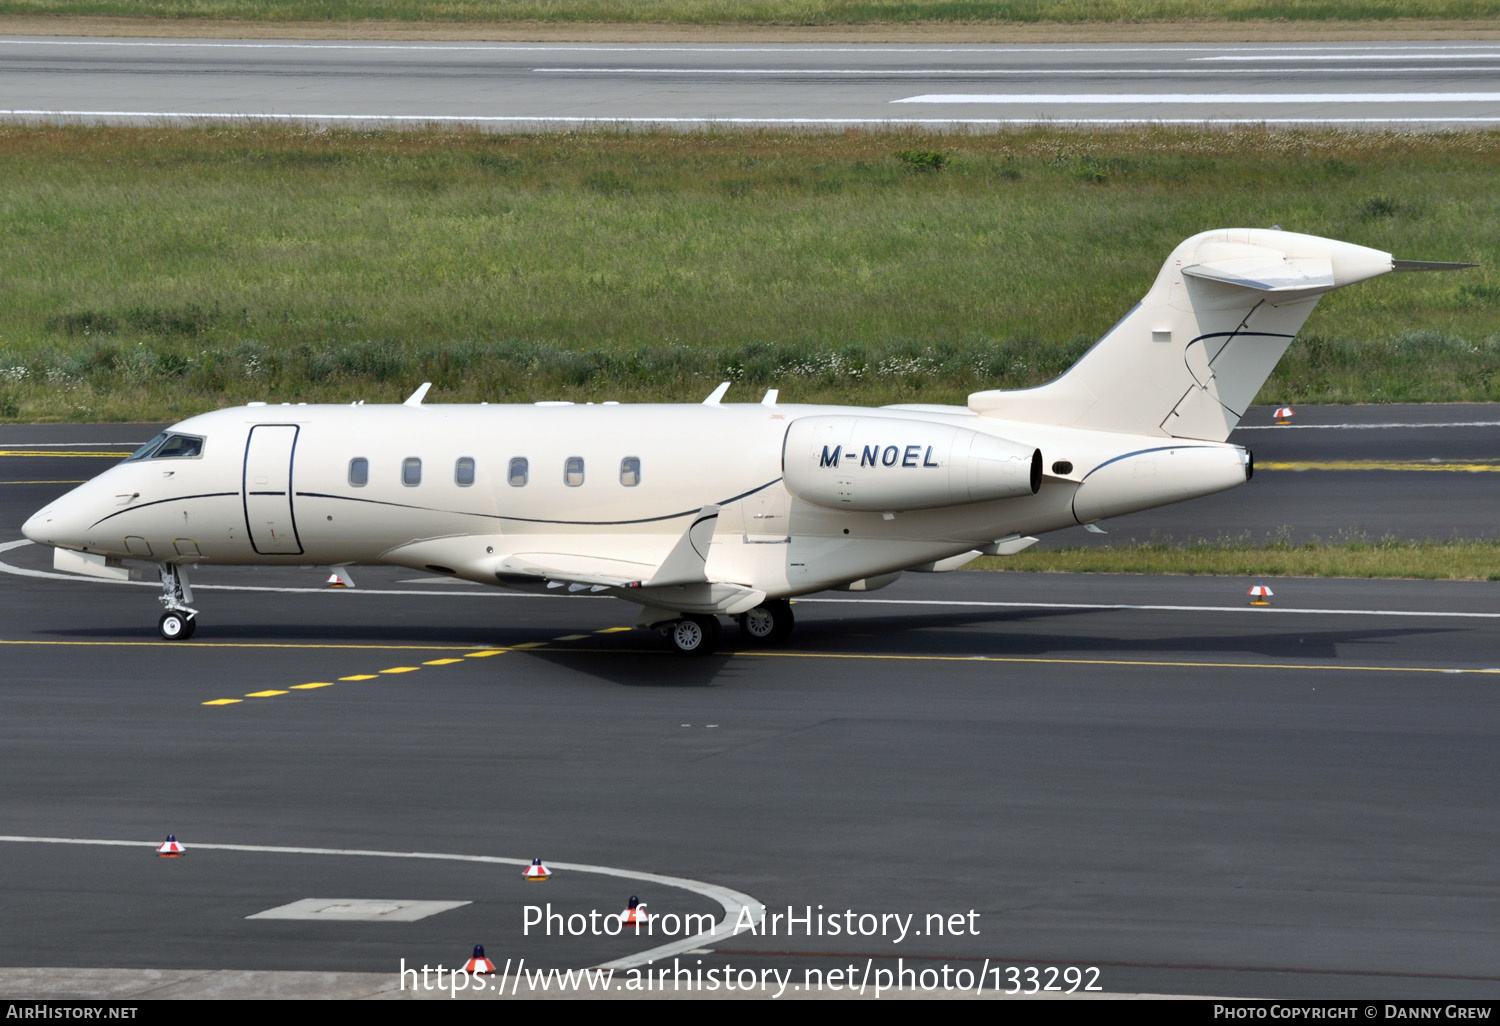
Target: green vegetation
x,y
762,12
1390,557
154,272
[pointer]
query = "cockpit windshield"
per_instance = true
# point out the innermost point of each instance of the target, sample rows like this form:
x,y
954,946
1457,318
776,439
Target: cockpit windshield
x,y
168,446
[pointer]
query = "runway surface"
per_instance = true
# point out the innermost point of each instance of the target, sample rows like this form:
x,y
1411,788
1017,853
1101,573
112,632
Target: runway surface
x,y
1424,85
1141,775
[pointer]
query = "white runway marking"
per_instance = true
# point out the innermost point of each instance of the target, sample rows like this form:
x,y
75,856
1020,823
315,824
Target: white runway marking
x,y
969,603
1367,427
1199,98
733,902
360,910
607,122
1468,55
1109,606
1025,72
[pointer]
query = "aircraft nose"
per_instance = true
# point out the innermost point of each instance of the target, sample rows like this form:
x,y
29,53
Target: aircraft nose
x,y
39,527
57,525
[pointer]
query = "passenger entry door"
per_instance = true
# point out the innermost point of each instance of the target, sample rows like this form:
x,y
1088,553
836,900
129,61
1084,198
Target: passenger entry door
x,y
268,490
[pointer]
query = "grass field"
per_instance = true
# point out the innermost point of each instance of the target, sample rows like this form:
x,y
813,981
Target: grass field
x,y
763,12
150,273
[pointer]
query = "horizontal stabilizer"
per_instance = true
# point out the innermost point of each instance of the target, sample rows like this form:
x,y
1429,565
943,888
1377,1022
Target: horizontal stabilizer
x,y
1427,265
1267,273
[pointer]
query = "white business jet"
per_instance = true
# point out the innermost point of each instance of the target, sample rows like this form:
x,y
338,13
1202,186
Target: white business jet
x,y
697,512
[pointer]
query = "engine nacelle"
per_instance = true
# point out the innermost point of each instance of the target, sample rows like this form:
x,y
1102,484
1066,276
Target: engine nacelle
x,y
888,464
1157,476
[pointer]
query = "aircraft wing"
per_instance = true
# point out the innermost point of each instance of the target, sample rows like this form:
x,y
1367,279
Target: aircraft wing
x,y
574,568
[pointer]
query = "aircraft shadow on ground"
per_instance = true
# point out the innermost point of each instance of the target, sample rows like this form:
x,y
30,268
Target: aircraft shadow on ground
x,y
641,658
1012,633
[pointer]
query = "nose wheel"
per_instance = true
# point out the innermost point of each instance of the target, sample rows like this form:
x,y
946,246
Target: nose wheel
x,y
177,626
180,619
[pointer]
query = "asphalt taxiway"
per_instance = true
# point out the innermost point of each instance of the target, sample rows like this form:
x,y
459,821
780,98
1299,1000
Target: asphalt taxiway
x,y
1447,84
1144,775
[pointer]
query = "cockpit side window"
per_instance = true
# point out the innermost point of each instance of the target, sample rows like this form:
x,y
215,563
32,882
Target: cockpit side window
x,y
168,446
147,449
177,446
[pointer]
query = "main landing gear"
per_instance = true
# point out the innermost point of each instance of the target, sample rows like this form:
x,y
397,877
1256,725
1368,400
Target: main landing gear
x,y
180,620
698,633
769,623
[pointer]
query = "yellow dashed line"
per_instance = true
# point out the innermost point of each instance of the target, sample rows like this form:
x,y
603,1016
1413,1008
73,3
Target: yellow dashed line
x,y
482,653
612,630
571,637
530,644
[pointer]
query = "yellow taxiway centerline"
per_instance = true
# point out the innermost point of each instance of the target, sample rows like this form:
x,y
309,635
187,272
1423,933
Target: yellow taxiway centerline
x,y
1152,663
63,452
1466,467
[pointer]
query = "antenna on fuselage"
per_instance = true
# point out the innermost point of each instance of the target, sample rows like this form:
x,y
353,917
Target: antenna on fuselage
x,y
716,395
415,399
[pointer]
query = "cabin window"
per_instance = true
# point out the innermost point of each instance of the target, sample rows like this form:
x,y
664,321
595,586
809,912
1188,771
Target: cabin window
x,y
519,471
411,472
573,472
463,472
359,472
630,471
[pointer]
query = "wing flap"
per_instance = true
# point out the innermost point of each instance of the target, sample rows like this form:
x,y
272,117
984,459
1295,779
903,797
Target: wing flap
x,y
574,568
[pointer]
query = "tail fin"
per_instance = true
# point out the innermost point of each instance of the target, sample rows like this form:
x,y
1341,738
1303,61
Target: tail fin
x,y
1188,360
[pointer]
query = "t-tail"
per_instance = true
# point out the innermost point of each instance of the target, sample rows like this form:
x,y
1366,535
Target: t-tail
x,y
1191,356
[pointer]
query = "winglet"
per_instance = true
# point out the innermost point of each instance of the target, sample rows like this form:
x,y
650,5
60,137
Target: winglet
x,y
415,399
684,564
716,395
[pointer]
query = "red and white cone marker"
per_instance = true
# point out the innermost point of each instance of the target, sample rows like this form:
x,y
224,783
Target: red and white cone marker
x,y
636,913
334,581
1259,594
479,964
170,849
1284,415
536,872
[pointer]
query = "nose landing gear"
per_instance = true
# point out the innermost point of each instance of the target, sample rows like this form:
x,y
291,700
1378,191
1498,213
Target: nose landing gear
x,y
180,620
177,626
